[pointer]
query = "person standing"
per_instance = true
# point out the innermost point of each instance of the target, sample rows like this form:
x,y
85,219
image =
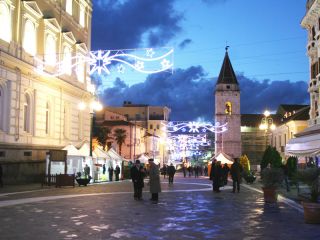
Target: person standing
x,y
164,171
137,176
171,172
285,170
154,181
86,171
217,178
225,171
110,171
1,173
213,165
184,170
103,169
235,171
117,172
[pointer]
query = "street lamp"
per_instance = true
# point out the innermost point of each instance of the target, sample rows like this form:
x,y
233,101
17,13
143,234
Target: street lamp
x,y
267,124
93,106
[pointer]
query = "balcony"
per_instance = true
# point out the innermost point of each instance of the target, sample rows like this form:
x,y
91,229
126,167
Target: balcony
x,y
312,49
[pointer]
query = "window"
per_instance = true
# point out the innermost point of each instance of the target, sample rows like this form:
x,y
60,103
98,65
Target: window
x,y
29,39
47,117
67,60
151,126
158,127
50,50
69,6
5,20
82,16
26,113
228,109
81,69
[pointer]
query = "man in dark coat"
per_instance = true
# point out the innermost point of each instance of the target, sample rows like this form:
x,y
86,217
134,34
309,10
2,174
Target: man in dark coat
x,y
217,177
235,172
117,172
171,172
110,171
137,176
213,165
225,171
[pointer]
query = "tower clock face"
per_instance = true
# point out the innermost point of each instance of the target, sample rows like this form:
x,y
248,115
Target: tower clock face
x,y
228,108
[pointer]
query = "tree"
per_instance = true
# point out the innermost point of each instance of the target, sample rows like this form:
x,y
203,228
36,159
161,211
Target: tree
x,y
103,136
292,166
271,156
245,163
120,137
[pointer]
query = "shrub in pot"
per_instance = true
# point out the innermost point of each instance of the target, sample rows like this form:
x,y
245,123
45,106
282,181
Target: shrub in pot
x,y
271,180
310,176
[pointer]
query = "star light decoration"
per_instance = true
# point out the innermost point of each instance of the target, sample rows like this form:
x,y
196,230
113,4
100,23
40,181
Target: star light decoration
x,y
142,60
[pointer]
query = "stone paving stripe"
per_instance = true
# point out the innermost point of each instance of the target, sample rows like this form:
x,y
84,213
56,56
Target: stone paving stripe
x,y
14,193
281,198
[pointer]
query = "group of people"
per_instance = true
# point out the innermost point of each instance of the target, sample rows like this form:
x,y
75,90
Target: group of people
x,y
116,171
170,171
195,170
219,175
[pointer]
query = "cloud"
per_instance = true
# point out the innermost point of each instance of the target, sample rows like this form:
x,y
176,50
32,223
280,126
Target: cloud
x,y
127,24
185,43
190,94
211,2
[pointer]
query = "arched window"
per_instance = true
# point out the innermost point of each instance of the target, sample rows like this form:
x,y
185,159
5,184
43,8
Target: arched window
x,y
26,113
67,60
69,6
5,21
50,56
1,108
29,39
47,118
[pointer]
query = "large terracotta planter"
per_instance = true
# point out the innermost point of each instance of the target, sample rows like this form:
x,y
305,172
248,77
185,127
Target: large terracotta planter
x,y
311,212
270,195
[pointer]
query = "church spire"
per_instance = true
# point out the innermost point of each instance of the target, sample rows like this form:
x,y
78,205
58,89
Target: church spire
x,y
227,75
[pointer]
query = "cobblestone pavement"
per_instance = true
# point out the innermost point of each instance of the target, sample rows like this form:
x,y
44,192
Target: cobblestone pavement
x,y
187,210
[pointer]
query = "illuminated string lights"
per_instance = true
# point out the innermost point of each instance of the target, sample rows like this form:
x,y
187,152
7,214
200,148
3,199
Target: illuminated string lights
x,y
195,127
146,61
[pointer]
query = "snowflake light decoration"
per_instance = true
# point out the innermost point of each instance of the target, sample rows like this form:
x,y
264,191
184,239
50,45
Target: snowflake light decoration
x,y
195,127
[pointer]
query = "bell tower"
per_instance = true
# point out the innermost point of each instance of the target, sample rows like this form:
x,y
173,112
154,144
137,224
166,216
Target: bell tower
x,y
227,110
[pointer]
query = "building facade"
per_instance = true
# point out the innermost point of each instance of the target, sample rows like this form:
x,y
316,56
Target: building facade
x,y
39,110
146,124
227,110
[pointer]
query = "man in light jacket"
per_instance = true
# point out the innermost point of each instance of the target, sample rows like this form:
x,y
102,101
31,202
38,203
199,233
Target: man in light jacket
x,y
154,181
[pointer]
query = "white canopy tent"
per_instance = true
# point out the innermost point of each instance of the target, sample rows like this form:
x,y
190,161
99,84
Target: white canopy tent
x,y
223,158
306,146
85,151
143,158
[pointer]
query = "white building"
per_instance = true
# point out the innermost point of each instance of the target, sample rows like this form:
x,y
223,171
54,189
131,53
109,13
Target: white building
x,y
39,111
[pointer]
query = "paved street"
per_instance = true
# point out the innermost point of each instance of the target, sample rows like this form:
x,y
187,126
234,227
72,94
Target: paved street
x,y
187,210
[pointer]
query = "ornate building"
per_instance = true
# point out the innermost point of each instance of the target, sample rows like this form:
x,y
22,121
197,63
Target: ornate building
x,y
39,111
227,109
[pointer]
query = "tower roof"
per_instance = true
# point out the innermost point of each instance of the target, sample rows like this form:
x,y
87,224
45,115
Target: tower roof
x,y
227,75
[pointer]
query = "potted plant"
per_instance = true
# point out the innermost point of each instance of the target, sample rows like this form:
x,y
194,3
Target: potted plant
x,y
310,176
82,181
271,179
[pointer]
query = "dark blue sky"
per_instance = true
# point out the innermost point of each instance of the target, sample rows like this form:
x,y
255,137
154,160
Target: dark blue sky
x,y
267,52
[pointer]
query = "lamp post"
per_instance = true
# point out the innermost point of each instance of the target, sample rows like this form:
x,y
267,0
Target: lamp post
x,y
93,106
267,124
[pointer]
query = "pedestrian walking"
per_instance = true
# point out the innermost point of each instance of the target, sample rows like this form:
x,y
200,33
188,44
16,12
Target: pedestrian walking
x,y
103,169
196,171
236,170
184,170
154,181
205,170
110,171
164,171
225,171
117,172
86,171
213,165
286,175
137,176
1,173
171,172
217,177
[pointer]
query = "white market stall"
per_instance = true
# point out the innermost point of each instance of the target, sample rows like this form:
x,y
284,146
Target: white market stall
x,y
223,158
102,161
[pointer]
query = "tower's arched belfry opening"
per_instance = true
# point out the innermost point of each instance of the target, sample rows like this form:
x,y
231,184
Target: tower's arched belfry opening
x,y
227,109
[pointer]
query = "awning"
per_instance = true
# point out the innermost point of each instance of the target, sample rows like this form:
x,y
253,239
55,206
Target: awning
x,y
306,146
72,150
